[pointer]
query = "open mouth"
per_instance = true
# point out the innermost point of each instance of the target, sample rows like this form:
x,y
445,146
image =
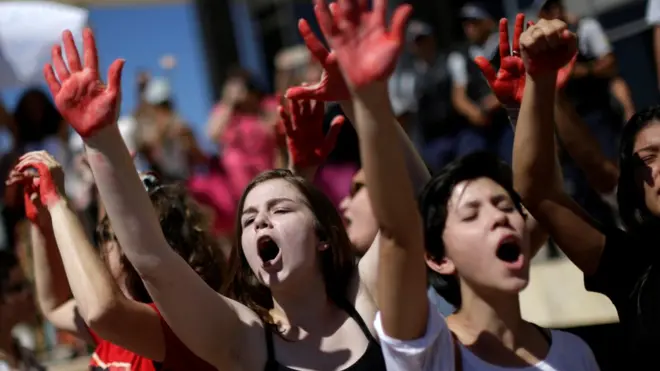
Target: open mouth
x,y
268,249
509,251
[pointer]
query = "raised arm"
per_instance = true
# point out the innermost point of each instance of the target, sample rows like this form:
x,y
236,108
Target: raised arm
x,y
332,87
212,330
367,52
52,288
101,304
534,147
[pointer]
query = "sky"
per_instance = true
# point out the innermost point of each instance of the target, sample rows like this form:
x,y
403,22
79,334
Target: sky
x,y
142,35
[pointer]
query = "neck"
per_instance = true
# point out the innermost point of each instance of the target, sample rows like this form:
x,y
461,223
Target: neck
x,y
498,317
303,307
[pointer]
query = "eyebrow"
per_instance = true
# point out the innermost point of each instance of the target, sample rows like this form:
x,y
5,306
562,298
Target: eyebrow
x,y
270,204
650,147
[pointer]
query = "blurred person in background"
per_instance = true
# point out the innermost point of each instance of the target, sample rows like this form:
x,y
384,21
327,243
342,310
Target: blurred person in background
x,y
471,95
425,94
161,133
17,306
243,125
653,19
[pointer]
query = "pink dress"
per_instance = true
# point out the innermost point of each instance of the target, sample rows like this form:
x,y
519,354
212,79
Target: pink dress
x,y
248,148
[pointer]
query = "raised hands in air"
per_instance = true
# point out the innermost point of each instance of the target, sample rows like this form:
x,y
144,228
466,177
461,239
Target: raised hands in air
x,y
365,48
303,125
508,83
84,101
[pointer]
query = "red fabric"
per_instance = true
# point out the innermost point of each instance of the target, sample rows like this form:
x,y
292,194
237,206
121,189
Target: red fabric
x,y
111,357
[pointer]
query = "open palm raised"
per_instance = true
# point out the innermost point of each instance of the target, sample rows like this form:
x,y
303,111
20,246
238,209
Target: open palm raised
x,y
84,101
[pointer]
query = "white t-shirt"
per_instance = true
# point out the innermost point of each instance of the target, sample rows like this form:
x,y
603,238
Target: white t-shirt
x,y
435,352
653,12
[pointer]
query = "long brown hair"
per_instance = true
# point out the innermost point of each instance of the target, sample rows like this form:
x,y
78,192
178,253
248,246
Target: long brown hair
x,y
338,262
186,230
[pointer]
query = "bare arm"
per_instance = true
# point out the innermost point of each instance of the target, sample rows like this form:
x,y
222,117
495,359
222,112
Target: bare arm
x,y
102,305
601,172
214,331
466,107
52,287
535,169
219,121
402,273
621,91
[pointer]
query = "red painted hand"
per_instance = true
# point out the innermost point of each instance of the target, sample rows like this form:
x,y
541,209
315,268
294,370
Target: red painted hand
x,y
508,83
80,95
50,180
366,50
547,47
303,124
332,87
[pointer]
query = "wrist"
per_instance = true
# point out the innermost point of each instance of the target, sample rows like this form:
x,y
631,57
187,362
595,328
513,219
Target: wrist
x,y
56,202
104,138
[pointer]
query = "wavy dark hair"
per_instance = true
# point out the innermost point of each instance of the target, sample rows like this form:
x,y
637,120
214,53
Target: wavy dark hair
x,y
27,130
338,263
187,231
633,210
433,202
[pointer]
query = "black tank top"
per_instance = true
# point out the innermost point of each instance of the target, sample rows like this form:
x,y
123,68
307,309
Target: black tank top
x,y
371,360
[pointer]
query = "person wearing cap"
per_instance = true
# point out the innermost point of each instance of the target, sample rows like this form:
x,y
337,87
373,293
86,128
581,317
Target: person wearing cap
x,y
420,92
471,95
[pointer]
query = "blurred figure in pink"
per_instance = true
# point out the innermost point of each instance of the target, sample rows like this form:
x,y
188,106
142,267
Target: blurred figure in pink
x,y
243,125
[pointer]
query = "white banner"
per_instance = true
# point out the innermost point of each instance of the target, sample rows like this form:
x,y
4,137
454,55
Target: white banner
x,y
28,30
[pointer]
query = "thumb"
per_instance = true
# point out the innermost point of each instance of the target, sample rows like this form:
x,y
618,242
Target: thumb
x,y
487,69
400,21
333,134
114,75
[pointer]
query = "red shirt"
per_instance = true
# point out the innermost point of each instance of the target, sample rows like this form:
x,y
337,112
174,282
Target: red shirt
x,y
111,357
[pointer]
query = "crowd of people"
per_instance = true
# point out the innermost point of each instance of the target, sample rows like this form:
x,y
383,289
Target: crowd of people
x,y
242,261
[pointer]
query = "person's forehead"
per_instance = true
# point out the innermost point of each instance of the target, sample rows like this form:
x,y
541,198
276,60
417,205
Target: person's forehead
x,y
271,189
648,137
470,190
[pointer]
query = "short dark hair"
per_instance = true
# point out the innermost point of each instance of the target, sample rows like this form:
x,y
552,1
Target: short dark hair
x,y
433,206
186,230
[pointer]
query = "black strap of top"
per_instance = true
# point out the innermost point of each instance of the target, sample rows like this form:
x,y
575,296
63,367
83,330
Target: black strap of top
x,y
353,313
271,363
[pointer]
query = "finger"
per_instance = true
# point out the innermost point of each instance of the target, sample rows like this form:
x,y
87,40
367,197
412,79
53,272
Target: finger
x,y
71,51
294,111
318,110
53,85
504,38
286,121
301,92
58,62
337,16
349,13
530,24
114,75
380,11
400,21
314,45
90,54
517,31
487,69
324,18
333,133
305,109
